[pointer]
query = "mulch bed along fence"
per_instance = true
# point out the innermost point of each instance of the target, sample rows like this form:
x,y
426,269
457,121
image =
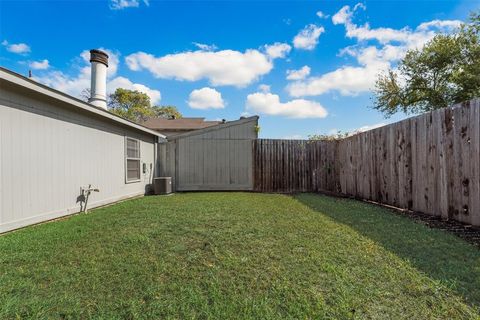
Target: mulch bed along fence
x,y
467,232
429,163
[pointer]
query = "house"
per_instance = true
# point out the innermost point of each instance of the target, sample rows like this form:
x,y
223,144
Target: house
x,y
55,148
169,127
60,155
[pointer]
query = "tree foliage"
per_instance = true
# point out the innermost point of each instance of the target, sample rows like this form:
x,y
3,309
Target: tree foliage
x,y
445,71
339,135
135,106
132,105
167,112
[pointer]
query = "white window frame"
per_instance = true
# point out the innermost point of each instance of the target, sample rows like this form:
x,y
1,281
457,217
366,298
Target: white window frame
x,y
139,159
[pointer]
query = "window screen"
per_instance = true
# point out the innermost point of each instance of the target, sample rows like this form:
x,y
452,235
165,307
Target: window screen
x,y
132,160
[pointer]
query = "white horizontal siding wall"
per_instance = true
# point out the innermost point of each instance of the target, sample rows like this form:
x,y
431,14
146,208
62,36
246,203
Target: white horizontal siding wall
x,y
49,150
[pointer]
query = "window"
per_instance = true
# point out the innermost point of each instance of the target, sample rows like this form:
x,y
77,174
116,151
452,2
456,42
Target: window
x,y
132,159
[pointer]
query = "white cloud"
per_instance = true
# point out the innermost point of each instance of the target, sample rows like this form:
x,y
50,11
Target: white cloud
x,y
264,88
371,55
383,35
122,4
322,15
277,50
299,74
122,82
206,98
342,15
370,127
205,47
351,132
390,46
350,80
440,24
334,131
293,137
72,85
415,38
75,84
20,48
347,80
39,65
307,38
225,67
268,103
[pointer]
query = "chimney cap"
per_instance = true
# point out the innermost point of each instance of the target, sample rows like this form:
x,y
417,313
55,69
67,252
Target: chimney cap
x,y
98,56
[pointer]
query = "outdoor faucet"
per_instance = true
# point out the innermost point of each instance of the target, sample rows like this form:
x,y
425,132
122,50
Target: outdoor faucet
x,y
86,193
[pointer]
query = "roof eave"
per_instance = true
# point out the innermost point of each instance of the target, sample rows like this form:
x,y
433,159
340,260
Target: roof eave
x,y
30,84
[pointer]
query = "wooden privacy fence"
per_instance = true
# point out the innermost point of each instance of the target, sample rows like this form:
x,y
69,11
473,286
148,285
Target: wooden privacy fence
x,y
429,163
294,166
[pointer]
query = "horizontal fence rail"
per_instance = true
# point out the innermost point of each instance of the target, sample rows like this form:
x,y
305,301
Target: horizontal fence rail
x,y
428,163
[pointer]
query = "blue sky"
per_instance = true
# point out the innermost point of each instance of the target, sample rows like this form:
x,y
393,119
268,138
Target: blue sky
x,y
305,67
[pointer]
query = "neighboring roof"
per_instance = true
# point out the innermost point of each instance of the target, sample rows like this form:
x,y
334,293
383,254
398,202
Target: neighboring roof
x,y
178,124
221,125
13,77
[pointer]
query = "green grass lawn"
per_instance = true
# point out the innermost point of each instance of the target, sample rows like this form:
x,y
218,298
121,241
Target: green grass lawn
x,y
238,255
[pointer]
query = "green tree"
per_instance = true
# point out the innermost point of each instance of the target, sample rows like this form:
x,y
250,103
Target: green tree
x,y
445,71
339,135
167,112
131,104
134,105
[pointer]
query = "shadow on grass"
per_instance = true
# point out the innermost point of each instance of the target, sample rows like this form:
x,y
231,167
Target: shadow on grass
x,y
438,254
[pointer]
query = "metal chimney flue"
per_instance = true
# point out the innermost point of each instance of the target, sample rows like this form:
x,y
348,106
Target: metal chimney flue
x,y
98,89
